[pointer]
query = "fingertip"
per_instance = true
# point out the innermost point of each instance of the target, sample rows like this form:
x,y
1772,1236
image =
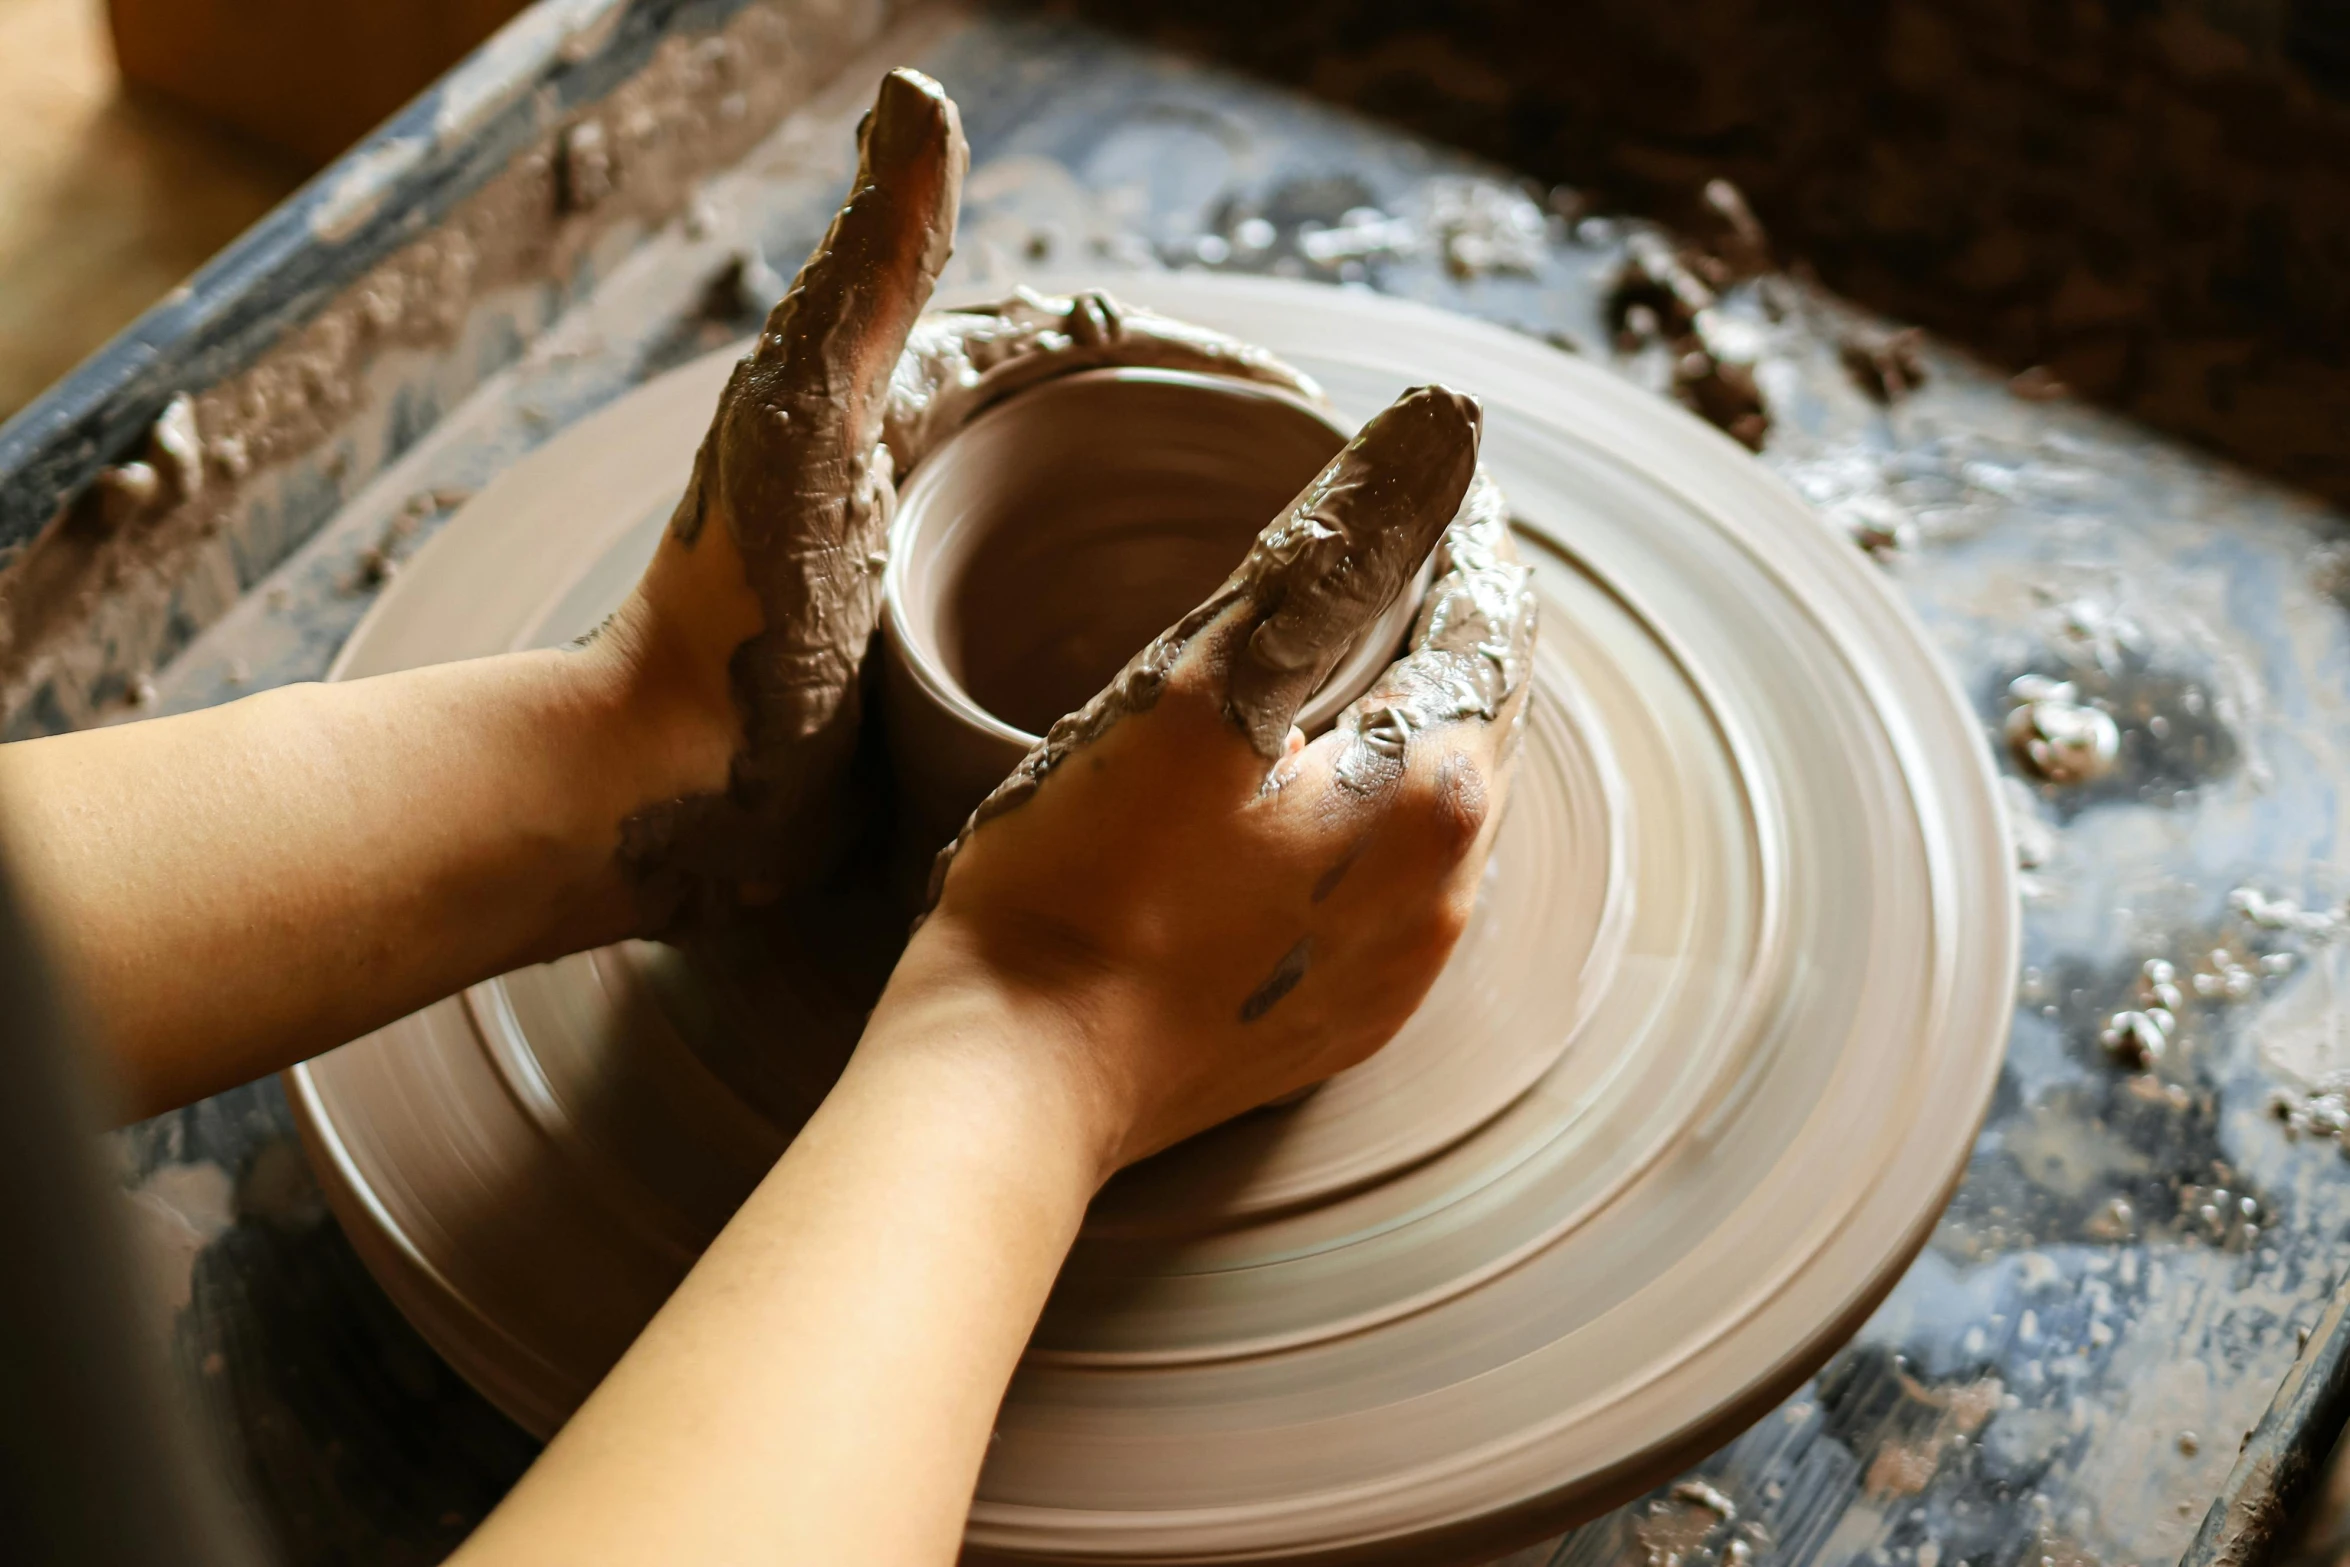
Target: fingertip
x,y
1433,432
907,79
1419,455
912,118
847,313
1336,557
1458,413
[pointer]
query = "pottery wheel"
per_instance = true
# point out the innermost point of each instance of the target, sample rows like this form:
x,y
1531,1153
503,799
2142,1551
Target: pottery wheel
x,y
1688,1098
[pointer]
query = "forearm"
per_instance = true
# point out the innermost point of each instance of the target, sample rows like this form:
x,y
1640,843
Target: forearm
x,y
822,1386
236,889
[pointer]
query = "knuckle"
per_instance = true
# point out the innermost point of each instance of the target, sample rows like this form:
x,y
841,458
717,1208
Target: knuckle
x,y
1457,803
1438,925
1451,918
1366,1043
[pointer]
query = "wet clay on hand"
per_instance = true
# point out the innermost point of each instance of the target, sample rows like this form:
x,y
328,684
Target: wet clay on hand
x,y
1330,563
801,463
1472,645
793,478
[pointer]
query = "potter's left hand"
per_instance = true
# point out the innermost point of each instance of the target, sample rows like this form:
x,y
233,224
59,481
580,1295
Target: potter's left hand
x,y
758,606
1178,909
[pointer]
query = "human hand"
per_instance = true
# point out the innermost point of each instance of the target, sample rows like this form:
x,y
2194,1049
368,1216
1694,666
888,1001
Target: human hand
x,y
758,607
1177,909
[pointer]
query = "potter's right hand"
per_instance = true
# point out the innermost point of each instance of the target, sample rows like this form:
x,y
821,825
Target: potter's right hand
x,y
1176,909
758,606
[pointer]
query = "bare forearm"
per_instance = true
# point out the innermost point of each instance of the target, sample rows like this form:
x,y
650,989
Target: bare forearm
x,y
822,1386
236,889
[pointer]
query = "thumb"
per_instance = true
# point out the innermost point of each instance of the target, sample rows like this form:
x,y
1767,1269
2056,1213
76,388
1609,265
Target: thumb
x,y
1336,558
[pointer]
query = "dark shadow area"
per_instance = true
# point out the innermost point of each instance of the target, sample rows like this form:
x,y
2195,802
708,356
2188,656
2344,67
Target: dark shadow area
x,y
2151,201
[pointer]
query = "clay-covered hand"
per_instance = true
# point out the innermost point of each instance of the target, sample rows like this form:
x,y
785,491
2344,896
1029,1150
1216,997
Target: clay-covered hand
x,y
763,596
1176,907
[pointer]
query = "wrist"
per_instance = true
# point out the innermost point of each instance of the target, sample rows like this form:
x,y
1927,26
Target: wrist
x,y
949,1010
670,706
618,729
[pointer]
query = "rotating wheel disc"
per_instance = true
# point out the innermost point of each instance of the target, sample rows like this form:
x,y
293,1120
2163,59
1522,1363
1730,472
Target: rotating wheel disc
x,y
1686,1100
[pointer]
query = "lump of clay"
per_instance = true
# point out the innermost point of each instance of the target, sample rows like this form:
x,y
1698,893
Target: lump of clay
x,y
2057,735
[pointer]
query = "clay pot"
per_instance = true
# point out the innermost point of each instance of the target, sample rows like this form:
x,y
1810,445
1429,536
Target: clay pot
x,y
1044,544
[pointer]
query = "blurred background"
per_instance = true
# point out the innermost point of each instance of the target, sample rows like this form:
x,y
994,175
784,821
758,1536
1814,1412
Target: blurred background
x,y
2150,201
137,138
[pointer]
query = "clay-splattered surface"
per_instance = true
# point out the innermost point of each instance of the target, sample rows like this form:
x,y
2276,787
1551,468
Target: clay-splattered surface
x,y
154,485
2145,196
2123,1277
